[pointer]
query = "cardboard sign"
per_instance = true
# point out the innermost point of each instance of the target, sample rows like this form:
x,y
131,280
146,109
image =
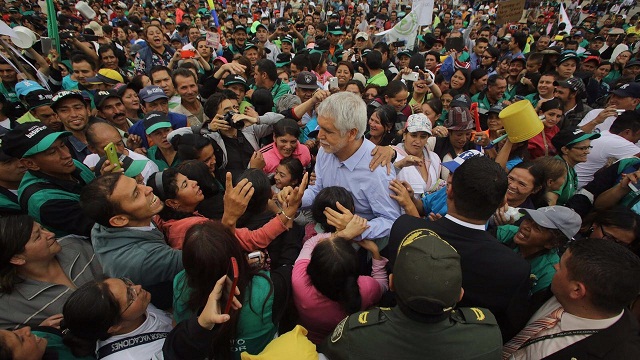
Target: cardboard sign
x,y
509,11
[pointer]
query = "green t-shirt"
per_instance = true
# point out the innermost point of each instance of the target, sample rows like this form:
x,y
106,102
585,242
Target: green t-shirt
x,y
379,79
542,266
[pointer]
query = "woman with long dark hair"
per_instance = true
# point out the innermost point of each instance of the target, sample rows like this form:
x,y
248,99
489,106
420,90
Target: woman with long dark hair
x,y
326,280
381,125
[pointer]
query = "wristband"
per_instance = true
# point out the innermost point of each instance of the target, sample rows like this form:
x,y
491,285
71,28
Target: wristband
x,y
489,147
285,215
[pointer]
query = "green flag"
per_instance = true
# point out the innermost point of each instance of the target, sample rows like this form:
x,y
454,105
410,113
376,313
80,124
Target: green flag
x,y
52,25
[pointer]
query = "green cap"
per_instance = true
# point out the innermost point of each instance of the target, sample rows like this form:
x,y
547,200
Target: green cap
x,y
426,276
155,120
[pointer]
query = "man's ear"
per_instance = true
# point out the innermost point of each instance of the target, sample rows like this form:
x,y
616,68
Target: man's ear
x,y
29,164
172,203
119,221
578,290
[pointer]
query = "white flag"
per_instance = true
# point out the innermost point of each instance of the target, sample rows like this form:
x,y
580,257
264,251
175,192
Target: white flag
x,y
406,30
565,19
424,10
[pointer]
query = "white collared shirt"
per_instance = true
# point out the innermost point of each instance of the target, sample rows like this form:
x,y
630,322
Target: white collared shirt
x,y
465,224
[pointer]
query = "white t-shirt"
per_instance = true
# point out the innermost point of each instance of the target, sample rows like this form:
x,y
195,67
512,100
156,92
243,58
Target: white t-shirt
x,y
145,342
411,174
151,167
608,148
604,126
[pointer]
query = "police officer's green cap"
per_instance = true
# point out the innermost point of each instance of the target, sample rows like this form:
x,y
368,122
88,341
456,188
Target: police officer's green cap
x,y
288,39
132,168
29,139
334,28
427,276
239,28
155,120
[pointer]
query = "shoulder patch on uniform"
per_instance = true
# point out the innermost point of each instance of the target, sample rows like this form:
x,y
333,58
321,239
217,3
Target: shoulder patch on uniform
x,y
475,315
365,318
337,332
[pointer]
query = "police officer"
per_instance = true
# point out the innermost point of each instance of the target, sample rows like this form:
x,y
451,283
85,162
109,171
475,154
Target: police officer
x,y
427,280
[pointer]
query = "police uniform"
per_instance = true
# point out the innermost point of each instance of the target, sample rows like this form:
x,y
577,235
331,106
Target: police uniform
x,y
427,280
387,333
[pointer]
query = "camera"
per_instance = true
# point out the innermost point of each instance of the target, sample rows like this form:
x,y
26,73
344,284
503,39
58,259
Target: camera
x,y
228,117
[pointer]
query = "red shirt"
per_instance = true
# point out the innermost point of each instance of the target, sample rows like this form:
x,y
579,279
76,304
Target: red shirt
x,y
537,146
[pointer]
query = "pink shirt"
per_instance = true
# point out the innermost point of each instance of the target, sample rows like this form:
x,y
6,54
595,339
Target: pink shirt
x,y
272,156
319,314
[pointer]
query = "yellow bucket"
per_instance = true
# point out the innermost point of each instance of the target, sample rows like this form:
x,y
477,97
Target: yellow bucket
x,y
520,121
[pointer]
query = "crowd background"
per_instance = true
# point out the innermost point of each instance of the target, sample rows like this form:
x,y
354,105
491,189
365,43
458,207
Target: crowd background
x,y
283,179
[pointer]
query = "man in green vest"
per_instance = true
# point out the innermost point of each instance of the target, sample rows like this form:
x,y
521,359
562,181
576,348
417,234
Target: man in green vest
x,y
50,190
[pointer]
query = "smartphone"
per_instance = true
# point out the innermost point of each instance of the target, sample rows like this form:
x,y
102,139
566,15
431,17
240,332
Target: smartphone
x,y
333,83
187,54
456,44
399,43
411,77
232,282
47,44
112,155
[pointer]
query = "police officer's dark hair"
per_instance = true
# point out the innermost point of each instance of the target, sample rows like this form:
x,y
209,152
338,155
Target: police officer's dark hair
x,y
301,61
88,314
608,270
15,232
478,186
626,120
269,67
95,199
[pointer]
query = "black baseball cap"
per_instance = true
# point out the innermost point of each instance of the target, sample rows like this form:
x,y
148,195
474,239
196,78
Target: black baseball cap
x,y
66,94
306,80
29,139
38,98
334,28
156,120
571,136
101,96
235,79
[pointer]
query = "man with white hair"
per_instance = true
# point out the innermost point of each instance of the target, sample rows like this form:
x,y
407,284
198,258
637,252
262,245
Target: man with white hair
x,y
343,160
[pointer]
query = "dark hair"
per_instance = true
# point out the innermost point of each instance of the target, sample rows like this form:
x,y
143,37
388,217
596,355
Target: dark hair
x,y
301,61
520,39
624,121
479,186
286,126
269,67
317,58
482,39
435,54
186,66
158,68
620,217
136,83
333,270
327,198
295,168
198,171
103,49
394,87
348,65
80,57
554,103
15,232
261,193
417,60
436,105
387,115
262,101
95,199
206,252
478,74
5,351
493,79
467,80
215,100
374,60
183,72
88,314
382,47
608,271
188,146
165,190
539,181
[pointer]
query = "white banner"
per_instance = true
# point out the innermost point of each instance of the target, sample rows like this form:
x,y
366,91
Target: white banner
x,y
565,19
406,30
424,10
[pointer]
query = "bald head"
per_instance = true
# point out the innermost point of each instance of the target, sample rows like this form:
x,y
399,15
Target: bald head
x,y
100,134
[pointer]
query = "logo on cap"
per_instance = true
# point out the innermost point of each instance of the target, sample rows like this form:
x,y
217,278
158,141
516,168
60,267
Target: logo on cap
x,y
104,93
34,131
151,116
308,78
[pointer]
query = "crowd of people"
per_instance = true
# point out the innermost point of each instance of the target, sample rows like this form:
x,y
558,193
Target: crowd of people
x,y
279,180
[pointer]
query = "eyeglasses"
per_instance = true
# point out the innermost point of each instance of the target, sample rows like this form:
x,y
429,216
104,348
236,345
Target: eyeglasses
x,y
132,294
582,148
487,57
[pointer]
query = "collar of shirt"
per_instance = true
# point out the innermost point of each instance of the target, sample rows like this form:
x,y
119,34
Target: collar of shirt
x,y
78,145
465,224
354,159
141,228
